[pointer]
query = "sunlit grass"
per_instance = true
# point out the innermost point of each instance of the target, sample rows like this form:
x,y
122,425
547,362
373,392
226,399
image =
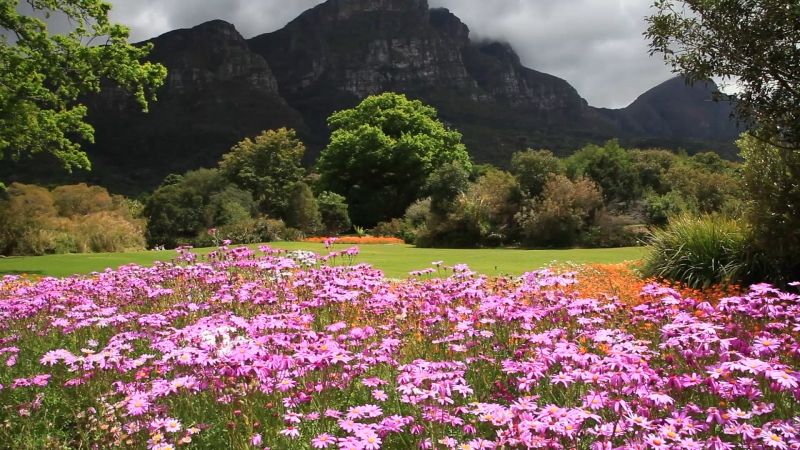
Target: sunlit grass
x,y
394,260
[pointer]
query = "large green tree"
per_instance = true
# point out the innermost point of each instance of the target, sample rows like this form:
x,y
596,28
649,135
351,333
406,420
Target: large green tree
x,y
43,75
534,168
610,166
381,153
267,166
755,43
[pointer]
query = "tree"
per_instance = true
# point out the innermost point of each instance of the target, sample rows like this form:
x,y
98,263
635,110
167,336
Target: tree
x,y
381,153
444,185
751,42
652,167
534,168
483,215
303,212
177,212
610,166
43,76
268,167
564,210
333,210
772,181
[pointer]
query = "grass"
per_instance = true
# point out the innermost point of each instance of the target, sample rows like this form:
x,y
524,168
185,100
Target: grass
x,y
395,260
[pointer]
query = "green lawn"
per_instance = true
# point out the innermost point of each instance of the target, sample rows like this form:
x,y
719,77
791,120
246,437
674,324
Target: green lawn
x,y
395,260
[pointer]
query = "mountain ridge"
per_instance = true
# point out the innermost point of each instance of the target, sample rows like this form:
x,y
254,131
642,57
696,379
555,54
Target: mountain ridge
x,y
222,88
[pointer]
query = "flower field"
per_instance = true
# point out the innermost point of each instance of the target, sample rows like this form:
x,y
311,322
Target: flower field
x,y
268,349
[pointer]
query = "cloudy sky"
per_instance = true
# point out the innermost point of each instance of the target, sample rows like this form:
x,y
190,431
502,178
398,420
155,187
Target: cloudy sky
x,y
596,45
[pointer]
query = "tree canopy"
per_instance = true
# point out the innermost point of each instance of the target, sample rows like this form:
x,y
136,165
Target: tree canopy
x,y
754,43
381,153
43,76
267,166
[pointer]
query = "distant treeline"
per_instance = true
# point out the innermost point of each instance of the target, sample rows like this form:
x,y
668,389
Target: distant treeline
x,y
395,170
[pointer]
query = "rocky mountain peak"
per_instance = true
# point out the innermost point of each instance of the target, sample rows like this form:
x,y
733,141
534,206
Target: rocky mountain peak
x,y
449,24
345,9
210,53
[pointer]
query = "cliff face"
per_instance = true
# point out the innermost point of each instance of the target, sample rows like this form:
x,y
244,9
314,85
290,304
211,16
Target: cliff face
x,y
217,92
341,51
222,88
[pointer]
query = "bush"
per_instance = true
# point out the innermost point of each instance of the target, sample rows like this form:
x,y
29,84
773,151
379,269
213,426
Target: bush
x,y
333,210
391,228
303,212
70,219
699,251
107,232
610,231
659,208
533,168
565,210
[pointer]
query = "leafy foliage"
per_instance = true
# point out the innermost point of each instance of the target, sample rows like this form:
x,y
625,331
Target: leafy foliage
x,y
385,148
534,168
772,181
610,166
751,42
565,209
69,219
303,212
445,185
267,166
44,75
483,215
189,205
333,212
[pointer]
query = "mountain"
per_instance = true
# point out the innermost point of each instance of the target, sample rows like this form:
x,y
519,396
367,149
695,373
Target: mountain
x,y
222,88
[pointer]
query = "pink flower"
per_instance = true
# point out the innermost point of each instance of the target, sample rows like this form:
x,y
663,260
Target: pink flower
x,y
323,440
138,404
380,395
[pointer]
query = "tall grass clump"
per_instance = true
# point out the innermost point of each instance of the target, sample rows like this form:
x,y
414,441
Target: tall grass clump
x,y
699,251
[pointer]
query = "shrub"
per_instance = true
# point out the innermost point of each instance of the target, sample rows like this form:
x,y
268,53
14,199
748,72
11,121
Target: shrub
x,y
565,210
391,228
609,231
659,208
699,251
483,215
107,232
76,218
333,211
533,168
81,199
611,167
303,212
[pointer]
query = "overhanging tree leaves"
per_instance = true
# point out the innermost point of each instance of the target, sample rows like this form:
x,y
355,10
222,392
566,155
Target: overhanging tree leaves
x,y
755,43
42,76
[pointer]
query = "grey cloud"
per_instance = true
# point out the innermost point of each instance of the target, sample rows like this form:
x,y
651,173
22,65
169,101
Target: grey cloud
x,y
596,45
